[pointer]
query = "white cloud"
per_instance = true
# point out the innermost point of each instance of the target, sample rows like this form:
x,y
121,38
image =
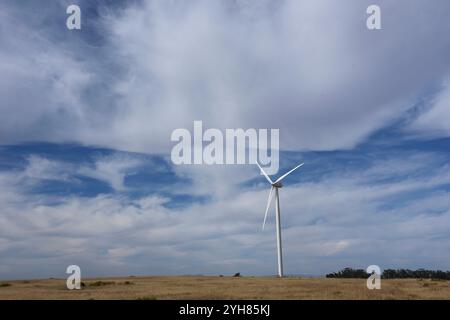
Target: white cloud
x,y
311,69
112,169
346,218
433,122
40,168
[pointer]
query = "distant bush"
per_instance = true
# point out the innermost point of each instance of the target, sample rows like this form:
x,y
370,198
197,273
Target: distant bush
x,y
416,274
348,273
394,274
3,285
101,283
128,283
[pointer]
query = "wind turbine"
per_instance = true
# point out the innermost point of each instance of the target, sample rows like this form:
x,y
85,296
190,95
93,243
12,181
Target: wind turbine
x,y
276,185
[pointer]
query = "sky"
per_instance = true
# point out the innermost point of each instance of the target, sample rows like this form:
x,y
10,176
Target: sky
x,y
86,176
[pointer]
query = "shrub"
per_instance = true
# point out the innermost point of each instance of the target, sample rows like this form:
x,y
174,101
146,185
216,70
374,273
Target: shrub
x,y
101,283
394,274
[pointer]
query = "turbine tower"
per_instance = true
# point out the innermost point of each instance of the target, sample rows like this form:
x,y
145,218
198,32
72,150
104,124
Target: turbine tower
x,y
276,185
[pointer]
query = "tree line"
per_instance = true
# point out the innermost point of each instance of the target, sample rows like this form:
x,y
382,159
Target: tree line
x,y
393,274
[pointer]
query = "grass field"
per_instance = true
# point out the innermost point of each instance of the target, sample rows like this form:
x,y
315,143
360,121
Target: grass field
x,y
203,287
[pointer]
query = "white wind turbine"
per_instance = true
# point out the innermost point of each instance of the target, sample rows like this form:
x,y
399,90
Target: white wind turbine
x,y
276,185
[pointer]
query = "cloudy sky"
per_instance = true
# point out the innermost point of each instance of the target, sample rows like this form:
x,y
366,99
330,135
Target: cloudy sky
x,y
86,118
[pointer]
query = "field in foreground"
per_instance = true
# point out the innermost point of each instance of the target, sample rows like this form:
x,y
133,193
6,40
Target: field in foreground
x,y
202,287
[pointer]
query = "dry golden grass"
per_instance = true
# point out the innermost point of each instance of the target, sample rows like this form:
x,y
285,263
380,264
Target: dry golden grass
x,y
225,288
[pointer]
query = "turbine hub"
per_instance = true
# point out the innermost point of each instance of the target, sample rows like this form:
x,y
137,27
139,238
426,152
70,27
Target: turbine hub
x,y
278,185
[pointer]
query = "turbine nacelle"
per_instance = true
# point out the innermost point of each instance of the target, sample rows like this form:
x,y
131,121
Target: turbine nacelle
x,y
277,185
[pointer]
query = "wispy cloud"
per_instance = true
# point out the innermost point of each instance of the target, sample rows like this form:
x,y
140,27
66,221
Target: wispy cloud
x,y
140,69
231,64
112,169
432,122
355,219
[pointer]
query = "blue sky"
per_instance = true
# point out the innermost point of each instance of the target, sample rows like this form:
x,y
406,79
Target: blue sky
x,y
85,170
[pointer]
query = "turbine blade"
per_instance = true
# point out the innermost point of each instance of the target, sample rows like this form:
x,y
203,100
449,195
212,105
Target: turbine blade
x,y
264,173
288,173
269,200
